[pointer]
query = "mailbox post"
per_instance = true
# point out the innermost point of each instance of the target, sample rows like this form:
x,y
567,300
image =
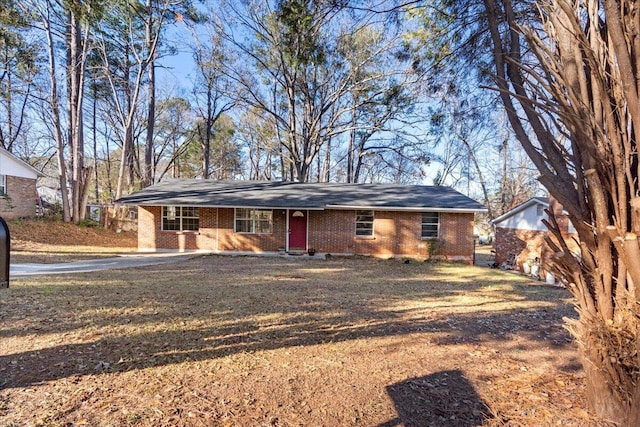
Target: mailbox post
x,y
5,253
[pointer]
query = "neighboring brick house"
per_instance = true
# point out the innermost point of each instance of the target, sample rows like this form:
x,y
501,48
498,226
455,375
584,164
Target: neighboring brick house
x,y
520,233
18,195
341,219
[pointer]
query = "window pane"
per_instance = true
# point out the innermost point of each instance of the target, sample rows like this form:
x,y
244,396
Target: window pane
x,y
430,224
170,212
190,212
263,215
242,213
180,218
364,223
254,221
263,227
364,216
364,229
244,226
430,217
190,224
429,231
170,224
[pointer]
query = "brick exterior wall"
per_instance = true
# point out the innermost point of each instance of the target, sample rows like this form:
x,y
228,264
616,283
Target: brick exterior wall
x,y
395,234
524,244
330,231
21,198
527,245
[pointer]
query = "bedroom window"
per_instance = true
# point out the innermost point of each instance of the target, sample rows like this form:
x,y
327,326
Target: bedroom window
x,y
3,185
180,218
254,221
430,225
364,223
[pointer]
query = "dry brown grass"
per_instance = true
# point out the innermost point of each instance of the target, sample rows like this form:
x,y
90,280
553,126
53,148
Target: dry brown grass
x,y
49,241
282,341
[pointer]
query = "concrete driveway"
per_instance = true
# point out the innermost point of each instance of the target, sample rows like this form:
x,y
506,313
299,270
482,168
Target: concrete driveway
x,y
123,261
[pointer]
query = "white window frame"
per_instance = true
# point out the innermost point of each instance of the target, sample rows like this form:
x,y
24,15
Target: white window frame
x,y
252,217
178,215
364,213
429,223
3,185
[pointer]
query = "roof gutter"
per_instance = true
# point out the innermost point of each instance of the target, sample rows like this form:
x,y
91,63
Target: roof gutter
x,y
199,205
335,207
407,209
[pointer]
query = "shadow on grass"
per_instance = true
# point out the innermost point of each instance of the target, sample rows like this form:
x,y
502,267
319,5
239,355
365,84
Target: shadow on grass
x,y
213,308
443,398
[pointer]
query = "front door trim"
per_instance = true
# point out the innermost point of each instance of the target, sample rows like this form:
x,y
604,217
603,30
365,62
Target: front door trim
x,y
306,238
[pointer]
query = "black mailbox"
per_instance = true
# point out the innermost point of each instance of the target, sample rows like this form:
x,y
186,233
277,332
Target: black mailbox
x,y
5,253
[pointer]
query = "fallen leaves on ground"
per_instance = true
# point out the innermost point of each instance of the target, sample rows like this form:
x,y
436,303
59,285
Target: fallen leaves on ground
x,y
288,341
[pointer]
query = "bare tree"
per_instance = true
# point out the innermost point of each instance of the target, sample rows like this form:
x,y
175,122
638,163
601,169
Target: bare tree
x,y
571,93
212,92
18,57
71,24
256,132
293,67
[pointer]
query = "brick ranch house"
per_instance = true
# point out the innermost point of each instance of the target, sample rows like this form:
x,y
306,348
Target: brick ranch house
x,y
341,219
18,195
520,234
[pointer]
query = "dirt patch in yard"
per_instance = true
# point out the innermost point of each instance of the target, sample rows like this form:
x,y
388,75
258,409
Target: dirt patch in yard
x,y
287,342
50,241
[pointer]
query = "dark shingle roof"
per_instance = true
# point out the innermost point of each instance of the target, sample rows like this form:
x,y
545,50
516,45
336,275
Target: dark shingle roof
x,y
284,195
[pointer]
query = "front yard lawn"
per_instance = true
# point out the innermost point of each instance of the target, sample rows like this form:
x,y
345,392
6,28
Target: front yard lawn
x,y
253,341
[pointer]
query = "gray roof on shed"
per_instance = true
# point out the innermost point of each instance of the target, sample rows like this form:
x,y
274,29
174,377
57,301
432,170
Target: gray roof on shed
x,y
295,195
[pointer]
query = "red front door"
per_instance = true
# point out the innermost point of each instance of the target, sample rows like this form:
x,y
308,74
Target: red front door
x,y
297,230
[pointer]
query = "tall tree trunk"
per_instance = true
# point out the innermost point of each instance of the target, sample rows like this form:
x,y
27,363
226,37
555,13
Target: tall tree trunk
x,y
127,117
591,95
151,113
206,149
8,145
108,169
481,181
54,102
71,38
94,132
77,48
327,162
148,151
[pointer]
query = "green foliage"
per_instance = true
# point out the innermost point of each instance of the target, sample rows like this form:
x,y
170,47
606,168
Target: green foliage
x,y
225,155
435,247
89,223
300,34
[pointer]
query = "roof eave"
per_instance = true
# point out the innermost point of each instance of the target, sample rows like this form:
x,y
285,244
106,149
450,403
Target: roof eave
x,y
204,205
519,208
407,208
315,208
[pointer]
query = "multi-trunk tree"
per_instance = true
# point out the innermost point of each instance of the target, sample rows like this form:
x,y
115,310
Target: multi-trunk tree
x,y
69,25
212,95
321,73
576,112
129,41
566,73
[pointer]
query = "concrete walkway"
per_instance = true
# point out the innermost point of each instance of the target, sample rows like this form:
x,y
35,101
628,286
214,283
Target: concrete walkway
x,y
123,261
